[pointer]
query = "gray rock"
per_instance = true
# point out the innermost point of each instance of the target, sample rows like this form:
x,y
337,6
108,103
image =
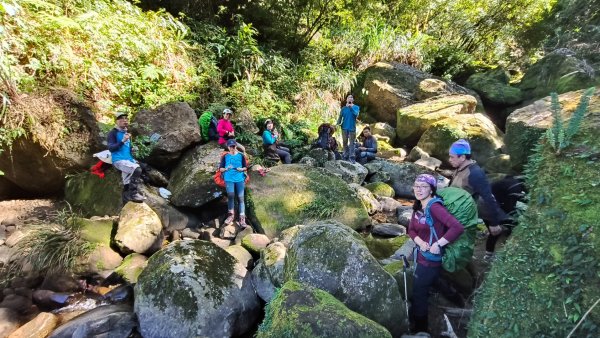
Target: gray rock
x,y
243,119
334,258
321,156
189,233
385,131
367,198
404,213
93,195
267,275
373,167
17,303
255,243
171,217
131,267
241,255
401,176
416,153
177,125
388,230
140,229
430,163
104,321
192,181
201,286
350,173
309,161
389,205
15,237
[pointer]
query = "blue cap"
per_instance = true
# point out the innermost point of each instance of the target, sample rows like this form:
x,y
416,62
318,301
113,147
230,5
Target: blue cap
x,y
231,143
460,147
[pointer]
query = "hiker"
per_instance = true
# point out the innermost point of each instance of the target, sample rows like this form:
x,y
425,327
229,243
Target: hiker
x,y
271,144
326,140
430,244
119,145
226,132
347,120
233,166
469,176
367,150
208,127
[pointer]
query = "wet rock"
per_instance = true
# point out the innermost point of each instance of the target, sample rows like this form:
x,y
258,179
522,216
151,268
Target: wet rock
x,y
41,326
103,321
17,303
60,283
120,294
49,300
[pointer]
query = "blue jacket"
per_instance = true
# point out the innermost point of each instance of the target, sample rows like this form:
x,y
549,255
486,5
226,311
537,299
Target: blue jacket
x,y
119,151
347,118
371,144
235,161
268,138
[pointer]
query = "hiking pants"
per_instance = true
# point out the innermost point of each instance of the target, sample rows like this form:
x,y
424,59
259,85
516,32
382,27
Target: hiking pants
x,y
233,189
365,156
425,278
284,154
126,168
348,139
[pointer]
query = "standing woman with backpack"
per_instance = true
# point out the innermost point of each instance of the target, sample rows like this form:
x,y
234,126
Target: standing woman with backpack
x,y
226,132
431,236
233,166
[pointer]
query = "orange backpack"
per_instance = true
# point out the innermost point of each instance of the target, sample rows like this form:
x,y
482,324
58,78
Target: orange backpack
x,y
218,178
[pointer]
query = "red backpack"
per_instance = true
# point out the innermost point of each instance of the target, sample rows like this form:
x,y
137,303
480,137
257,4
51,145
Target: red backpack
x,y
218,178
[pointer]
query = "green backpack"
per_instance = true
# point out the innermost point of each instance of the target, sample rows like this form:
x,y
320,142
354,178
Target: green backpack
x,y
462,206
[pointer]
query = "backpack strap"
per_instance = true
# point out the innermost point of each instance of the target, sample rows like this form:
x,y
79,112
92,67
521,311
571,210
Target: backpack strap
x,y
429,218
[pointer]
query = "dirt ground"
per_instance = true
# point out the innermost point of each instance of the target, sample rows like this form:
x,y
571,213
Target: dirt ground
x,y
20,212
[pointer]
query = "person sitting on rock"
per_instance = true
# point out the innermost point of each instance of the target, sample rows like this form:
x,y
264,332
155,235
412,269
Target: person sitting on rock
x,y
368,148
326,140
119,145
469,176
226,132
233,166
271,144
208,127
430,234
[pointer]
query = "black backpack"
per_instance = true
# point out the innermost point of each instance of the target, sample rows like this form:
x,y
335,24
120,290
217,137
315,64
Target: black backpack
x,y
212,129
324,139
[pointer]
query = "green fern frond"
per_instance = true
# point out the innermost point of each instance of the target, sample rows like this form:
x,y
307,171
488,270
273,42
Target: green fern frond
x,y
577,116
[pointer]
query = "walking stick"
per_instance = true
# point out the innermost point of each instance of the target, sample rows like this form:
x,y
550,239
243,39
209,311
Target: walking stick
x,y
404,266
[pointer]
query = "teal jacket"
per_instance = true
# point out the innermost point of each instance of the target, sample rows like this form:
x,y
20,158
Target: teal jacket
x,y
347,118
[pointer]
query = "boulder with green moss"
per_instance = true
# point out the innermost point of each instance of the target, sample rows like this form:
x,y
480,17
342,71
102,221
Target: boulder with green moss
x,y
192,183
267,275
303,311
548,269
102,259
255,243
349,172
560,71
93,195
131,267
333,257
241,255
139,229
384,247
493,87
525,125
367,198
485,138
381,189
295,194
194,288
415,119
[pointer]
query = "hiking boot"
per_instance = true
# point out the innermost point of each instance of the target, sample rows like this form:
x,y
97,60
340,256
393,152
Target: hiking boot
x,y
229,219
136,197
489,257
242,222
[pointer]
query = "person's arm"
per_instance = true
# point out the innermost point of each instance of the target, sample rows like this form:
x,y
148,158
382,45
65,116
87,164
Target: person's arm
x,y
412,233
268,138
372,146
355,110
113,144
481,187
440,214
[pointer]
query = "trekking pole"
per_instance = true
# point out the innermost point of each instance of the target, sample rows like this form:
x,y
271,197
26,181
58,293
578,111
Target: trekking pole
x,y
404,266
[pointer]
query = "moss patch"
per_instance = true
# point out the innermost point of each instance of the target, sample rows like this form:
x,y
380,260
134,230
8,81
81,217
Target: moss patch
x,y
381,189
384,247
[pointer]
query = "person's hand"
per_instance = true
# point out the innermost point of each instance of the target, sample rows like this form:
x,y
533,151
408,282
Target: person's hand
x,y
495,230
239,169
222,169
435,248
423,246
362,148
231,133
126,137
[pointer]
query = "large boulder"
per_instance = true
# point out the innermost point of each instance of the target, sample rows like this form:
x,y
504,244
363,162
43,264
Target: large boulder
x,y
400,176
381,189
102,257
294,194
525,125
366,196
333,257
560,71
201,286
171,217
177,125
415,119
131,267
390,86
41,326
485,138
267,275
62,135
349,172
139,229
494,88
103,321
93,195
301,310
384,132
192,181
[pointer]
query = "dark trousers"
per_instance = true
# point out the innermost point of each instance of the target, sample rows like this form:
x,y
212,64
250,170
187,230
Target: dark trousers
x,y
490,243
425,278
284,154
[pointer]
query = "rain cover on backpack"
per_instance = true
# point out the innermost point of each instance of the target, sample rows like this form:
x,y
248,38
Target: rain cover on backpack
x,y
463,207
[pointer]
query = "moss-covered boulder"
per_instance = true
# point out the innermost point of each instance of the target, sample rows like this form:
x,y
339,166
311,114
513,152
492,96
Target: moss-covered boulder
x,y
381,189
177,125
494,88
400,176
485,138
349,172
295,194
303,311
334,258
192,181
139,229
367,198
93,195
242,255
102,259
384,132
525,125
415,119
267,275
560,71
255,243
131,267
548,269
391,86
384,247
194,288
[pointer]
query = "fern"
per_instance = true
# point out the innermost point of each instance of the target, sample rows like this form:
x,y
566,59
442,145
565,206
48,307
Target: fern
x,y
577,117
